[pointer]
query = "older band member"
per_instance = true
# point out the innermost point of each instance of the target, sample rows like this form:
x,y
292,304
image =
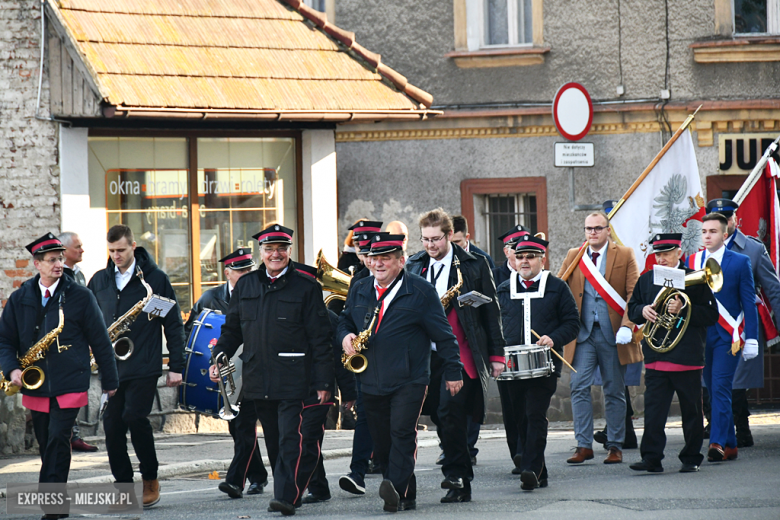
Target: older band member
x,y
32,312
678,370
118,289
396,227
279,316
601,283
736,304
750,374
405,316
478,330
534,301
503,272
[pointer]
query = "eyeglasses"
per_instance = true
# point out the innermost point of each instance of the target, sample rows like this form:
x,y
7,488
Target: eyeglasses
x,y
597,229
281,249
426,240
527,256
55,261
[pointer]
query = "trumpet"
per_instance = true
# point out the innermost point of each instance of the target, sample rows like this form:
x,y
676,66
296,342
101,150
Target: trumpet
x,y
226,368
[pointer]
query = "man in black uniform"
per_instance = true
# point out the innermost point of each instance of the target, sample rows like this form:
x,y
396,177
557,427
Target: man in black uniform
x,y
117,289
406,315
33,311
279,316
478,330
678,370
537,298
503,272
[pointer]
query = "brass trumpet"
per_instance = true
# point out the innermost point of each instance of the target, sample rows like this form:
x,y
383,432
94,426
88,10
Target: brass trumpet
x,y
333,280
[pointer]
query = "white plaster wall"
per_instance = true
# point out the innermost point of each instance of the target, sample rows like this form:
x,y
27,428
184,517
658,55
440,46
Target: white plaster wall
x,y
320,195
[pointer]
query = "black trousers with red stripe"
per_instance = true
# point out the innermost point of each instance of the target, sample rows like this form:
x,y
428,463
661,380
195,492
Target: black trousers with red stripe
x,y
311,471
247,460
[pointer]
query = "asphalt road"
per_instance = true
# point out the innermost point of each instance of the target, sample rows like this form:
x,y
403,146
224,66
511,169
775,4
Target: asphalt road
x,y
743,489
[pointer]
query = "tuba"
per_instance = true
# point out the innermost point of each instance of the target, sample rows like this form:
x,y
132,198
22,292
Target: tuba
x,y
333,280
123,347
668,329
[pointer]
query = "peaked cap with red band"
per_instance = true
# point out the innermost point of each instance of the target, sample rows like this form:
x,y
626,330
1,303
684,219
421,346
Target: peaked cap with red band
x,y
46,243
383,243
513,235
365,226
241,258
531,244
276,234
305,269
364,242
666,242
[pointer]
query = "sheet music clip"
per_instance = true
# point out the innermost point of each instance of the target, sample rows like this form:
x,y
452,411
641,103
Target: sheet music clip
x,y
473,299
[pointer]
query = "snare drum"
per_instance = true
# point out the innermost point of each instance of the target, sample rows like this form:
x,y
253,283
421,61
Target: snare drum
x,y
527,362
198,393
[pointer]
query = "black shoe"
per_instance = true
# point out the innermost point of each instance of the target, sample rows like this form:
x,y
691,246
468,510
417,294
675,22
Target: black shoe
x,y
284,507
600,437
232,490
518,460
630,442
744,440
644,465
543,483
407,504
452,483
528,480
689,468
256,488
517,471
706,433
53,516
352,484
388,493
440,460
373,469
474,460
456,495
311,498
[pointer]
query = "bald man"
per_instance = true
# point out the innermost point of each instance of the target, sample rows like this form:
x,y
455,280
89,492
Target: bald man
x,y
397,227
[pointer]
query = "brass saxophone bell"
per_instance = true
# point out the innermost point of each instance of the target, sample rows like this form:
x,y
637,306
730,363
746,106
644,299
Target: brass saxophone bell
x,y
356,363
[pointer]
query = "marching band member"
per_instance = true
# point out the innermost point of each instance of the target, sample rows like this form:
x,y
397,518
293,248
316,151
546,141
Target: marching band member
x,y
736,298
279,316
33,311
117,289
481,343
461,236
503,272
601,284
409,316
750,374
396,227
678,370
533,300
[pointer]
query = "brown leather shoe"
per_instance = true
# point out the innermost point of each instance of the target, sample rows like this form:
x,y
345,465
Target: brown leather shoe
x,y
580,456
715,453
81,445
151,492
615,456
730,453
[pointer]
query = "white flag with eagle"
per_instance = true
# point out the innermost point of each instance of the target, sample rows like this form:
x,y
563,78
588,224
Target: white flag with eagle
x,y
669,200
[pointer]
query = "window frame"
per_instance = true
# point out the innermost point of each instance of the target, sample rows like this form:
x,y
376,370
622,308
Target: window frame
x,y
513,28
771,21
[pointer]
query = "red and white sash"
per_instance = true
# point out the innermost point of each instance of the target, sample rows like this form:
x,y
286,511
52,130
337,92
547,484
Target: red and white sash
x,y
597,280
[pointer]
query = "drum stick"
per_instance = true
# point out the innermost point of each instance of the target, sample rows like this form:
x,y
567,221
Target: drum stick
x,y
554,352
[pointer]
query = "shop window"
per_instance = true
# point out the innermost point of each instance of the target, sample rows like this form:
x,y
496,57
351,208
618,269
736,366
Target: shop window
x,y
756,17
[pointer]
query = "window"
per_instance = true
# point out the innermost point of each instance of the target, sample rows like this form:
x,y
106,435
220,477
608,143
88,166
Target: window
x,y
504,211
319,5
507,22
756,16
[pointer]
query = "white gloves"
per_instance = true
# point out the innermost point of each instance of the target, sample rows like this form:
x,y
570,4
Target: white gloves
x,y
750,350
623,336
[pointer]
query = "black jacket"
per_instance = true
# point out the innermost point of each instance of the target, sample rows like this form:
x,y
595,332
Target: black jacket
x,y
474,249
482,324
554,315
146,359
501,274
286,334
344,378
216,299
347,260
24,321
399,353
704,313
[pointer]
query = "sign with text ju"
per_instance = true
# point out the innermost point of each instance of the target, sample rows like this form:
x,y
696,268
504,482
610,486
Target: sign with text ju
x,y
571,155
739,153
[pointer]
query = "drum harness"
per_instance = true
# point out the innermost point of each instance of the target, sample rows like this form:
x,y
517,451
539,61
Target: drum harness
x,y
527,297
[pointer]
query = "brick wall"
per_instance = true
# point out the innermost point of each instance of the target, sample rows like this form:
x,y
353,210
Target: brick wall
x,y
29,173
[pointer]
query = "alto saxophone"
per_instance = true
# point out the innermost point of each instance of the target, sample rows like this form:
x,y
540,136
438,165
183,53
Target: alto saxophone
x,y
123,347
32,376
453,291
357,362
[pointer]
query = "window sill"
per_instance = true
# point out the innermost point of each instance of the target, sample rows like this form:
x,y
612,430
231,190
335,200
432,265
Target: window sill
x,y
741,49
514,57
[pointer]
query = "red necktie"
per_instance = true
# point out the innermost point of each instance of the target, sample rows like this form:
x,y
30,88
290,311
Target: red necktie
x,y
528,283
272,280
381,291
47,295
594,256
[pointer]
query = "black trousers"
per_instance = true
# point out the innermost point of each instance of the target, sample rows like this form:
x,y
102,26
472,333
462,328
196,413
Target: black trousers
x,y
311,472
362,445
53,431
515,423
528,400
392,420
660,387
247,460
453,415
129,410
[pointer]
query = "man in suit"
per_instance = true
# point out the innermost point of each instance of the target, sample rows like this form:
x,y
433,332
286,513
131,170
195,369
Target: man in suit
x,y
750,374
736,306
602,283
461,236
504,271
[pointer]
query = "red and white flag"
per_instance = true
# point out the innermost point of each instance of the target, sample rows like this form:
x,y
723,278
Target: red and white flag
x,y
669,200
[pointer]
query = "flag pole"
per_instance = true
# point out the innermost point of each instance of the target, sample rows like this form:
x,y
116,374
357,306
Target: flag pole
x,y
752,179
575,262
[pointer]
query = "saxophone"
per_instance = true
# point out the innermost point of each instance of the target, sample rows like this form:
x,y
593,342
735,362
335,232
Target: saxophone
x,y
453,291
357,362
123,347
32,376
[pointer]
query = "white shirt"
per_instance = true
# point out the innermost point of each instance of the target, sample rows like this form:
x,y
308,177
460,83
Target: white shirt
x,y
717,255
535,278
230,290
602,253
51,288
391,294
440,269
123,279
273,277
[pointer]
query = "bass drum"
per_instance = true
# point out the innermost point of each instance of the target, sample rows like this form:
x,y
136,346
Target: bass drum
x,y
198,393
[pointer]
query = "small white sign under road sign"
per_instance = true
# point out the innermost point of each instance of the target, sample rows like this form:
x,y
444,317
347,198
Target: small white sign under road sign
x,y
571,155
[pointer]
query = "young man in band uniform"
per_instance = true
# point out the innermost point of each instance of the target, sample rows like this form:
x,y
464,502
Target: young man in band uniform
x,y
478,330
409,316
117,289
678,370
535,297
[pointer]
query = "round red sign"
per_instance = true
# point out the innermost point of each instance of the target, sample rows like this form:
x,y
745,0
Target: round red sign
x,y
573,111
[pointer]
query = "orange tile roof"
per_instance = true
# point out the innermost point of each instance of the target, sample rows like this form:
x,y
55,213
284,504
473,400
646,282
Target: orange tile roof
x,y
250,57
